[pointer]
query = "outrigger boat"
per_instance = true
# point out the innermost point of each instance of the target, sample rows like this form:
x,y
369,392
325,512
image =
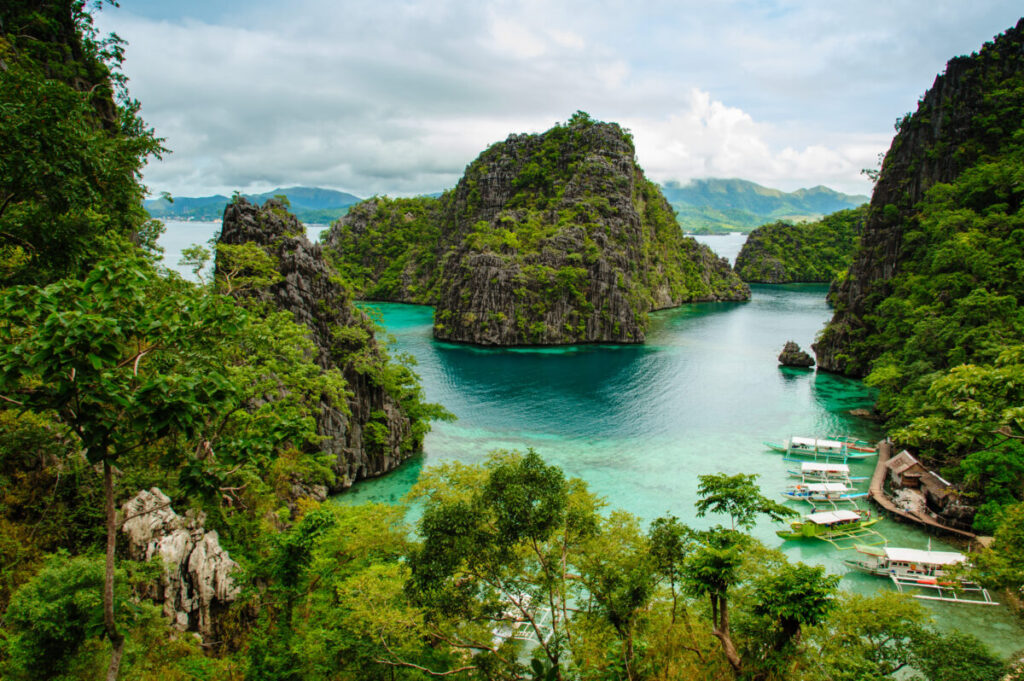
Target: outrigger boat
x,y
854,444
819,449
920,569
834,526
823,491
821,471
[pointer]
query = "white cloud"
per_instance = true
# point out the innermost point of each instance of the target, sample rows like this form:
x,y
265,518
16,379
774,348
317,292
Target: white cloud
x,y
398,96
710,139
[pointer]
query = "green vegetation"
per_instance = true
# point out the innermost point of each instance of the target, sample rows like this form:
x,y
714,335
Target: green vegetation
x,y
386,249
719,206
783,252
538,244
937,322
116,376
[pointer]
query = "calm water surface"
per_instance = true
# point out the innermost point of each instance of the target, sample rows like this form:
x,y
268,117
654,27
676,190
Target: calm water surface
x,y
640,423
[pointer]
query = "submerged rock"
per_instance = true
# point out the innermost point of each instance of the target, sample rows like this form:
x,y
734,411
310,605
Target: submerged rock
x,y
793,356
196,580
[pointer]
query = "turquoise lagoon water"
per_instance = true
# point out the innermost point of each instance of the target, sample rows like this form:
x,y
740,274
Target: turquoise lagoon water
x,y
640,423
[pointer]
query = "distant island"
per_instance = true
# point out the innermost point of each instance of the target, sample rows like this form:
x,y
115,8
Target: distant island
x,y
718,206
706,206
308,204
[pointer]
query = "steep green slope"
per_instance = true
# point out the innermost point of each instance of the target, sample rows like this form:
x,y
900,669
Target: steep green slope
x,y
781,252
387,248
716,205
931,310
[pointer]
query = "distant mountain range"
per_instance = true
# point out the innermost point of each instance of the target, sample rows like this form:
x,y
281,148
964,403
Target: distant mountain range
x,y
713,205
309,204
706,206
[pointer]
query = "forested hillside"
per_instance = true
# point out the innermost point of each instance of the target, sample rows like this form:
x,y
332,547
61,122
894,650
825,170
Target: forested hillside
x,y
931,310
782,252
166,448
719,206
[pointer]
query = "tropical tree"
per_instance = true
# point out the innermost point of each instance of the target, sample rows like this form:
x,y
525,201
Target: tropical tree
x,y
121,366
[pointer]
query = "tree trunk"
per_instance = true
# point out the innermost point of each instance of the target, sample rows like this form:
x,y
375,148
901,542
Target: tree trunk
x,y
116,638
722,632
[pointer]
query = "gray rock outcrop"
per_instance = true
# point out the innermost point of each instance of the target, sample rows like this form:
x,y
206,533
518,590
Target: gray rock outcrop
x,y
196,581
376,435
793,356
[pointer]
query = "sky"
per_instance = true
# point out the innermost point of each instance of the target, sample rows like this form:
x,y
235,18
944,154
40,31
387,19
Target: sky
x,y
398,97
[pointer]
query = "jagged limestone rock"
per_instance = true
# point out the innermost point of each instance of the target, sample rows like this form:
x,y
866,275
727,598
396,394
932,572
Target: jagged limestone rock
x,y
343,336
793,356
548,239
196,580
957,122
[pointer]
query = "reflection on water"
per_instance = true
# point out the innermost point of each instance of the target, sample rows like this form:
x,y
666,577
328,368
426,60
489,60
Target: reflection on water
x,y
640,423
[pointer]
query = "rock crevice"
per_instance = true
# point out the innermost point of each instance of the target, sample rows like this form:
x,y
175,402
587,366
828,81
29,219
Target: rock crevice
x,y
196,580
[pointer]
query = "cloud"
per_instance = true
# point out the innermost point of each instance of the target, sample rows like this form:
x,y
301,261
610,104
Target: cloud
x,y
397,96
710,139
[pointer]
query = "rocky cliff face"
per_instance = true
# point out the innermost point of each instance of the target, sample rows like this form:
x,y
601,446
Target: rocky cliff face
x,y
196,580
548,239
963,117
559,238
376,435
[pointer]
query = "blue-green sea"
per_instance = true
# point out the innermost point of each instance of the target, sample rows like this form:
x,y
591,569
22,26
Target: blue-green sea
x,y
640,423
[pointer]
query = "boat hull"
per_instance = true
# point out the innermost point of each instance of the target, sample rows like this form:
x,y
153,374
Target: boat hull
x,y
805,530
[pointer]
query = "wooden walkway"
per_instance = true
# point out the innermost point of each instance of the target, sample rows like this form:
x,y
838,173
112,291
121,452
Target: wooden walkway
x,y
877,494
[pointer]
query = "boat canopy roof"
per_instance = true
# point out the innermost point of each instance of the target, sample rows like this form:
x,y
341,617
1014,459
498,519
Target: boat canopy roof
x,y
820,467
815,443
830,517
925,557
826,487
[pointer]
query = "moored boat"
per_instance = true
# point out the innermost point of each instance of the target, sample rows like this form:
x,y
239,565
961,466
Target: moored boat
x,y
825,471
829,525
823,491
920,569
817,448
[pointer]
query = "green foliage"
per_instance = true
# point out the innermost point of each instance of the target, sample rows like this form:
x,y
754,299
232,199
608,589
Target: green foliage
x,y
738,497
52,615
120,364
956,656
819,251
70,158
385,248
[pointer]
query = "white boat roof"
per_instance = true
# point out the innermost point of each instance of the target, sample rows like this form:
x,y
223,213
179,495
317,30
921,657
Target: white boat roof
x,y
814,442
925,557
820,467
826,487
829,517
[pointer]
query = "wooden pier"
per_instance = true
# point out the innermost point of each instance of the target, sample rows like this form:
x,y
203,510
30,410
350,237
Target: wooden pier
x,y
876,492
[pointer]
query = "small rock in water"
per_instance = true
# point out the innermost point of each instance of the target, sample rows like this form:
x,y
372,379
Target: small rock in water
x,y
793,356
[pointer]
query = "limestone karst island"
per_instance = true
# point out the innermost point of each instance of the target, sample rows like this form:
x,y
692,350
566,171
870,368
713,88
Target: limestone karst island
x,y
502,342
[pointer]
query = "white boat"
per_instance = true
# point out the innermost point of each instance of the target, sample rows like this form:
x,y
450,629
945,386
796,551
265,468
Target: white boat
x,y
817,448
920,569
823,471
823,491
